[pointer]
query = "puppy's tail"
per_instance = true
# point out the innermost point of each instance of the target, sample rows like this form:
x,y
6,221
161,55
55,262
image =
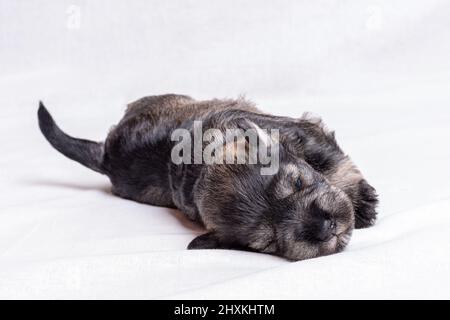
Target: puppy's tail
x,y
88,153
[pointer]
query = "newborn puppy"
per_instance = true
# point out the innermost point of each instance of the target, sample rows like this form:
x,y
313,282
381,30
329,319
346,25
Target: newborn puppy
x,y
307,208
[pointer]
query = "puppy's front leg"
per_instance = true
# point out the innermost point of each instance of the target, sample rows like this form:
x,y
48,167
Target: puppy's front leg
x,y
365,201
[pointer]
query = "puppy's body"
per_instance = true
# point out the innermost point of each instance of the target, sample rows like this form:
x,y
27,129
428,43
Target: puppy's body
x,y
239,207
138,149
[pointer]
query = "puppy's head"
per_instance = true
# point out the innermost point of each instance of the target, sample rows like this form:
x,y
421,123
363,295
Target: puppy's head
x,y
310,217
295,213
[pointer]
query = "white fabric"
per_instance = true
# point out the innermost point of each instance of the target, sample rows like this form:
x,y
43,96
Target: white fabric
x,y
376,71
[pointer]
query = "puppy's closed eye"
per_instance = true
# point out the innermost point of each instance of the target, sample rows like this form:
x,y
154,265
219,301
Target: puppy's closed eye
x,y
298,184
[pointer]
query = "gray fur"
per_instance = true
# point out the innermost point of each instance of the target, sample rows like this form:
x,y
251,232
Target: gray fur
x,y
239,208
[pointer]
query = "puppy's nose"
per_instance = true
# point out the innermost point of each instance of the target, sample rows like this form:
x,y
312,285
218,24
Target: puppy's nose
x,y
324,225
326,229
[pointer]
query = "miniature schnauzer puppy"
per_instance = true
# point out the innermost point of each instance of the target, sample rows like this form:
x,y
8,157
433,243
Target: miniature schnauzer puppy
x,y
307,208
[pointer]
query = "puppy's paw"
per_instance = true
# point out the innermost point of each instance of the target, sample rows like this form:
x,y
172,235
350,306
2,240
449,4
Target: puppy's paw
x,y
205,241
365,202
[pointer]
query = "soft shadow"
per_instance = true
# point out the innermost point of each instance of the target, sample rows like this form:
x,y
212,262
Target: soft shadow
x,y
186,222
103,187
106,188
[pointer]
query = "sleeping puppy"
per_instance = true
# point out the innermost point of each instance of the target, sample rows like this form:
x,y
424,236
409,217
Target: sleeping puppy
x,y
307,207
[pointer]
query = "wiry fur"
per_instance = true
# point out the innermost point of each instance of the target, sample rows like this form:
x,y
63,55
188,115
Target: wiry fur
x,y
239,207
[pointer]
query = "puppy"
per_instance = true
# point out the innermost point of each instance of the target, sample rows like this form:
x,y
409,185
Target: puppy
x,y
307,208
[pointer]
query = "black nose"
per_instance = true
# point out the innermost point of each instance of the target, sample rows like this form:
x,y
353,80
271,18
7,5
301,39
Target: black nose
x,y
323,225
325,229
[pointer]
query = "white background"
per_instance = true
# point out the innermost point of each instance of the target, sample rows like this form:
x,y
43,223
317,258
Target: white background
x,y
378,72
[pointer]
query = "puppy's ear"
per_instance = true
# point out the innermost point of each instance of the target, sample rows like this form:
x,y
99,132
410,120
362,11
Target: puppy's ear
x,y
205,241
